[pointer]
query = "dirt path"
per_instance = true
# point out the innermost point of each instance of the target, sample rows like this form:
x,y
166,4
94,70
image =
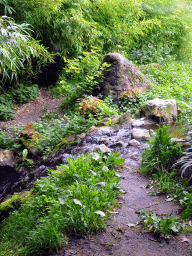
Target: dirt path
x,y
121,240
31,111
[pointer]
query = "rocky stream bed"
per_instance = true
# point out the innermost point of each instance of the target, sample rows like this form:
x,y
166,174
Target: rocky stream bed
x,y
123,235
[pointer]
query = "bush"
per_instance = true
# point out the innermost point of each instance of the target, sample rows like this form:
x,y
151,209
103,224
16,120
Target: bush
x,y
96,107
17,50
161,154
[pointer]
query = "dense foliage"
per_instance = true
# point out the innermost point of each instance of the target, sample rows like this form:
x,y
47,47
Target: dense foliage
x,y
75,198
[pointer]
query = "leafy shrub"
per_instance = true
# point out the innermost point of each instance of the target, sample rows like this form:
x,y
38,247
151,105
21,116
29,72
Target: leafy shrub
x,y
94,106
23,93
74,198
81,76
17,50
129,100
6,111
161,154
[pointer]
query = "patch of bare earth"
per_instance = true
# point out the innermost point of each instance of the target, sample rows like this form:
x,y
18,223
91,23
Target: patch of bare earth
x,y
121,238
31,111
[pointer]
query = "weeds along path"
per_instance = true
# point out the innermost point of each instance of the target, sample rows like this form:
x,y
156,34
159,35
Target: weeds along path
x,y
123,236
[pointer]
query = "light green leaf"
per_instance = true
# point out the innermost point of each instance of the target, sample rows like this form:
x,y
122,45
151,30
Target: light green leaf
x,y
100,213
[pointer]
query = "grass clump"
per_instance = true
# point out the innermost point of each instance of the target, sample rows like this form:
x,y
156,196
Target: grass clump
x,y
161,153
163,163
74,198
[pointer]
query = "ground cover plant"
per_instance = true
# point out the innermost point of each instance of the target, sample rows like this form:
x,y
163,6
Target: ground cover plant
x,y
165,226
75,198
16,95
166,159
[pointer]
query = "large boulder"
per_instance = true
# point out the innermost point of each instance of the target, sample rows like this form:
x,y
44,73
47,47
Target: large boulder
x,y
122,77
160,110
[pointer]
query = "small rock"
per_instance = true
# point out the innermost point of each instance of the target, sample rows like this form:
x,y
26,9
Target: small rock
x,y
125,117
117,144
102,149
140,134
105,141
138,122
80,137
134,142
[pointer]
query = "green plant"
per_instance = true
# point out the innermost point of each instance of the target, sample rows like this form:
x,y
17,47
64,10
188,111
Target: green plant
x,y
26,161
21,93
81,76
75,198
96,107
184,163
129,101
17,50
161,154
163,226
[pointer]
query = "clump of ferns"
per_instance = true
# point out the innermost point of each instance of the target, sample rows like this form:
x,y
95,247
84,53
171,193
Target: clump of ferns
x,y
185,163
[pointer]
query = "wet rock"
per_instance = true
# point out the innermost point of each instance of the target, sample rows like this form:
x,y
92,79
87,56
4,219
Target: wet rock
x,y
80,137
134,142
160,110
118,144
125,117
8,174
105,141
102,149
41,171
138,122
122,77
140,134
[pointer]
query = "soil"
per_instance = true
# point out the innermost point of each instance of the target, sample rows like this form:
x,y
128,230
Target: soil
x,y
119,238
31,111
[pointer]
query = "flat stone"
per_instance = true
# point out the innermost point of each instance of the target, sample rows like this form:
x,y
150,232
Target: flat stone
x,y
134,142
102,149
138,122
140,134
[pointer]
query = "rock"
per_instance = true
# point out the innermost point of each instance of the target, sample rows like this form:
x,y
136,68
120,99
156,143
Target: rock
x,y
125,117
122,77
6,163
80,137
102,149
105,141
117,144
138,122
8,174
140,134
134,142
160,110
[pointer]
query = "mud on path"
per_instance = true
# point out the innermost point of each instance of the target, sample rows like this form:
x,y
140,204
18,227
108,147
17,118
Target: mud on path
x,y
119,238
